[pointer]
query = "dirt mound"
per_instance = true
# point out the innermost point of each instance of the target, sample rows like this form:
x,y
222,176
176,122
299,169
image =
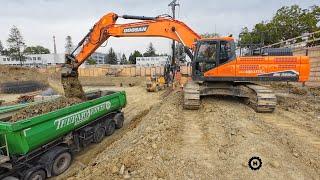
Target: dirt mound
x,y
291,88
142,152
214,142
15,73
43,108
298,103
315,91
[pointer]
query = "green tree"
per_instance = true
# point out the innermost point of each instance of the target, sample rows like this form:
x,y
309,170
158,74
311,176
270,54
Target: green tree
x,y
123,59
36,50
69,45
315,10
16,45
288,22
112,57
91,61
133,56
151,51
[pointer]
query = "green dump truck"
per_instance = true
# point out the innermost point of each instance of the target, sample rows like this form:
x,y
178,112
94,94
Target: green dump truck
x,y
43,146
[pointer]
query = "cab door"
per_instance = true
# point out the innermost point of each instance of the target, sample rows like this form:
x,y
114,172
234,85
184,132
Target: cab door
x,y
227,59
206,57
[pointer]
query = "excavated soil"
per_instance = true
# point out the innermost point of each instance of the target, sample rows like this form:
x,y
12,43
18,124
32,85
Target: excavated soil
x,y
18,74
72,87
43,108
214,142
296,88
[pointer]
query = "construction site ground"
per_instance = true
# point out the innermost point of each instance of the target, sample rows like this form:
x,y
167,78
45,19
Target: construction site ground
x,y
161,140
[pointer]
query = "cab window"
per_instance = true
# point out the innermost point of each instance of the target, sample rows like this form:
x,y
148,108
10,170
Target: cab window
x,y
207,52
227,50
206,57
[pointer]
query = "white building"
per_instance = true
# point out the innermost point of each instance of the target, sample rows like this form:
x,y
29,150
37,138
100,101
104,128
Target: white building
x,y
35,60
100,58
38,60
152,61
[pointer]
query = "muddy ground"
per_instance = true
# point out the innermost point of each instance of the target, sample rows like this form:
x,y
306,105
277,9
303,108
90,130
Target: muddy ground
x,y
215,142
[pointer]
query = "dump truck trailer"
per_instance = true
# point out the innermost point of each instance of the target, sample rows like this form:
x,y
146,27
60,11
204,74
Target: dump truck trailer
x,y
43,146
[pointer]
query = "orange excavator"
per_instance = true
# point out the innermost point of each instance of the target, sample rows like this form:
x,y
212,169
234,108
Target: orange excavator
x,y
216,70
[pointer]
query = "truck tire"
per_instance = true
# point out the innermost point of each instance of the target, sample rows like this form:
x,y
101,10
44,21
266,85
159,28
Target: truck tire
x,y
119,119
110,127
61,163
35,174
99,133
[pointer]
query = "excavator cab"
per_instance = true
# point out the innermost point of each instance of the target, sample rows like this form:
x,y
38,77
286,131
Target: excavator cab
x,y
211,53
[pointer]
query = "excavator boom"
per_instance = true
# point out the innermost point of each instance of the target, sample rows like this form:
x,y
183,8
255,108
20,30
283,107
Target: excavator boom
x,y
106,27
160,26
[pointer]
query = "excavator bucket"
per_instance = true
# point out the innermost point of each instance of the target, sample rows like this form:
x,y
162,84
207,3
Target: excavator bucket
x,y
71,84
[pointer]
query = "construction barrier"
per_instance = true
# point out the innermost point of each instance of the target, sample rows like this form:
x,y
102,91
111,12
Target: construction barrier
x,y
127,71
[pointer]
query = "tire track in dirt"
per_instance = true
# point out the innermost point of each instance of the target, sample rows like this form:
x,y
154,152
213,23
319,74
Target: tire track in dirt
x,y
243,134
294,128
195,145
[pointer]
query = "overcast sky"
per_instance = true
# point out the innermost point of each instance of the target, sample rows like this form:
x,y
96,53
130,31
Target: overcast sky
x,y
39,20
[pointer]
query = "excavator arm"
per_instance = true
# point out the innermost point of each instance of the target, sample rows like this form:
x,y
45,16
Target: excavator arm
x,y
149,27
106,27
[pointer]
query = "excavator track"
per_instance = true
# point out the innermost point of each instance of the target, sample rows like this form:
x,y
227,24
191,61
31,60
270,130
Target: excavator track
x,y
191,98
261,98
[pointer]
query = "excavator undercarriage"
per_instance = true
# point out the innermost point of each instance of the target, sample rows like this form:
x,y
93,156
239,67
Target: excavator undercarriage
x,y
260,98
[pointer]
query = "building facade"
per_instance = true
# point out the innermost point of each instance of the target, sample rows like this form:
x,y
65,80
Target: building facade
x,y
40,60
99,58
152,61
35,60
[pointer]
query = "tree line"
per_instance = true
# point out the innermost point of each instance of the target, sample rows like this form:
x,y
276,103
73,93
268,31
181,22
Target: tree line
x,y
16,47
288,22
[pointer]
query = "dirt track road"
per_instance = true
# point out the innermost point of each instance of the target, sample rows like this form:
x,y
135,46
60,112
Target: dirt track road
x,y
214,142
